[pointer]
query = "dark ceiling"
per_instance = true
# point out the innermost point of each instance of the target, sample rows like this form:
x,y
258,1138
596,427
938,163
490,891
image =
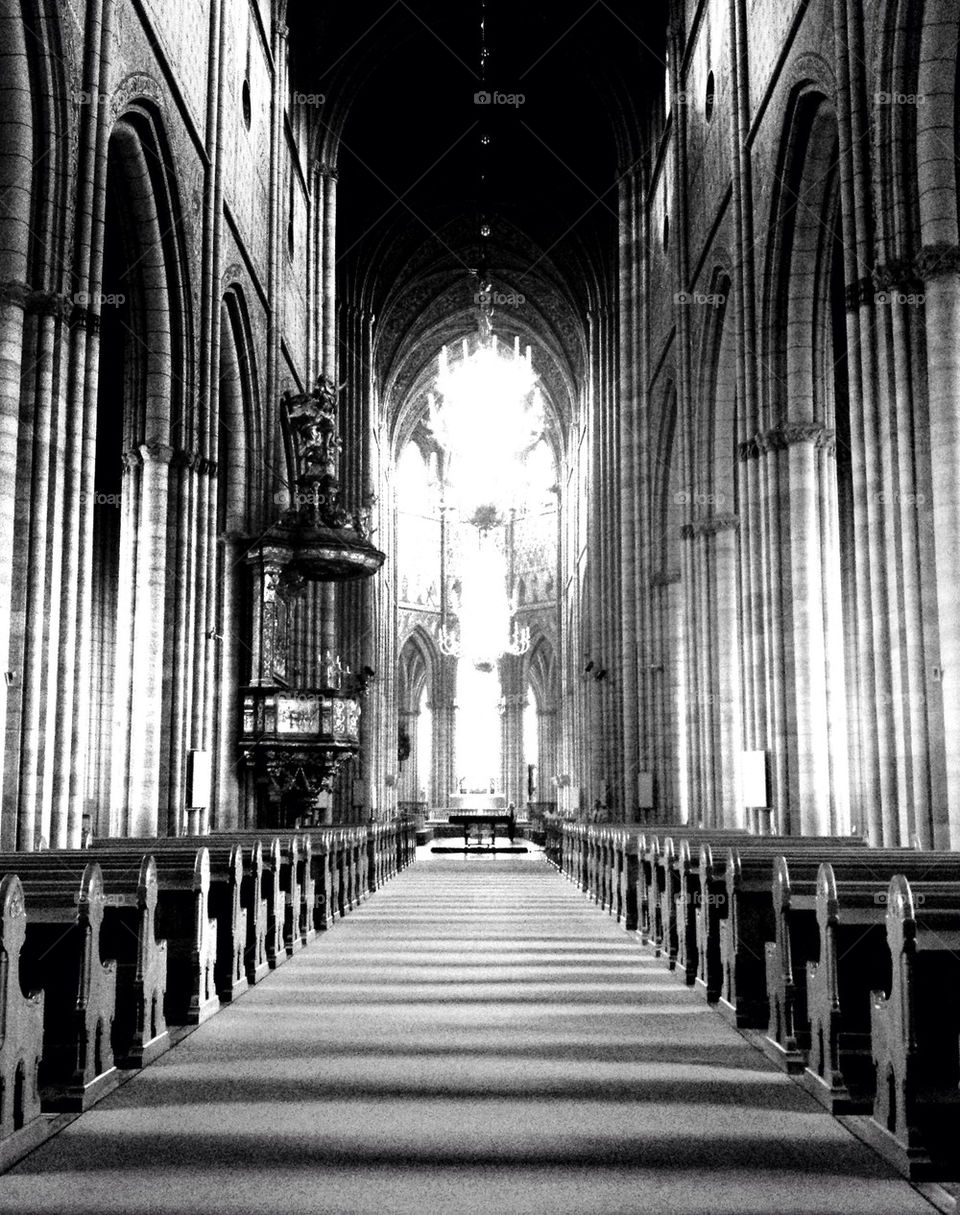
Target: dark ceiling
x,y
401,79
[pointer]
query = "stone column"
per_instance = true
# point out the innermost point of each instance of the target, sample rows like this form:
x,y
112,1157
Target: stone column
x,y
16,174
799,449
546,754
628,495
719,699
513,772
147,722
91,206
32,548
409,773
444,716
180,664
940,269
228,787
119,751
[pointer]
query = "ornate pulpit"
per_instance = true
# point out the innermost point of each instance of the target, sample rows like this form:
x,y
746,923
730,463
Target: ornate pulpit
x,y
297,733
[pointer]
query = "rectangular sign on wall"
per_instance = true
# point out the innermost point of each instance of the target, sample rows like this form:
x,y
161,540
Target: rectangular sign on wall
x,y
645,790
755,779
198,780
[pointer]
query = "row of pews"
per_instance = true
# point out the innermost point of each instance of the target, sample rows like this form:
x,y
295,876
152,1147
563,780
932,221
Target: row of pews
x,y
841,961
108,953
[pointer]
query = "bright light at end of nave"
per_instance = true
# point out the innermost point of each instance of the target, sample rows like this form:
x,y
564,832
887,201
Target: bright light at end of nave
x,y
488,416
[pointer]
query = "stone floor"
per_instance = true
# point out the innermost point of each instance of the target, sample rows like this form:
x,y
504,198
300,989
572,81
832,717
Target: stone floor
x,y
477,1037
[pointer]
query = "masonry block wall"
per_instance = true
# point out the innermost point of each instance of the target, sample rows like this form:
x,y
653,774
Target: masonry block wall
x,y
795,426
163,284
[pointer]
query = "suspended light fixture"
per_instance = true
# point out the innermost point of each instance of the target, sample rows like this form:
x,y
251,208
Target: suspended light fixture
x,y
488,627
486,414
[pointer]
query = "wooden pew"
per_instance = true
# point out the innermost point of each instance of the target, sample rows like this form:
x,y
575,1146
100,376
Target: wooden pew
x,y
618,845
339,874
803,977
629,865
308,893
405,846
732,931
62,955
354,889
235,903
585,858
291,878
263,865
128,934
407,843
582,871
328,849
851,960
746,920
554,839
355,886
375,875
914,1030
615,836
273,880
318,912
593,864
611,871
283,883
573,835
689,900
21,1045
564,848
603,874
364,888
662,879
651,882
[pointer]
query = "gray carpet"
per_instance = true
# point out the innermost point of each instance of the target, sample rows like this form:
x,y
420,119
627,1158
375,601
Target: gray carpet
x,y
476,1038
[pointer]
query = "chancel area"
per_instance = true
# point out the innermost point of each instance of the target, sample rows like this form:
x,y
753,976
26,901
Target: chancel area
x,y
479,550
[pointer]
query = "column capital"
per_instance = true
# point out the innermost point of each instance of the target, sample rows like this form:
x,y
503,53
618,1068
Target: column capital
x,y
16,293
901,272
938,259
859,292
183,459
784,435
710,526
52,303
156,453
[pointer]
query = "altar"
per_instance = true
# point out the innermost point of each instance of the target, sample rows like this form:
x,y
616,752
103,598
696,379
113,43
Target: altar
x,y
482,802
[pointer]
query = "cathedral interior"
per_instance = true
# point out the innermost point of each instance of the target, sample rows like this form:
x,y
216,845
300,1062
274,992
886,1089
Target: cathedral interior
x,y
539,419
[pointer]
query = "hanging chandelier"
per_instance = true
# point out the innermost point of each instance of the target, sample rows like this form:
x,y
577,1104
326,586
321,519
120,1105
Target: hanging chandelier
x,y
517,643
487,415
487,623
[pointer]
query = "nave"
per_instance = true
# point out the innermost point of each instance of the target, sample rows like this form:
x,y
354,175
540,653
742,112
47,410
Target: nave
x,y
478,1037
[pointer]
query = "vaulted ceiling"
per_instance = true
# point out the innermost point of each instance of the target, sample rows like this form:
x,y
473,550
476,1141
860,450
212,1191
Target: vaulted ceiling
x,y
402,126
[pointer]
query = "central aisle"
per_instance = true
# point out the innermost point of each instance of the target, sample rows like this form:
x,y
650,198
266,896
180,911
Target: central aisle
x,y
477,1037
